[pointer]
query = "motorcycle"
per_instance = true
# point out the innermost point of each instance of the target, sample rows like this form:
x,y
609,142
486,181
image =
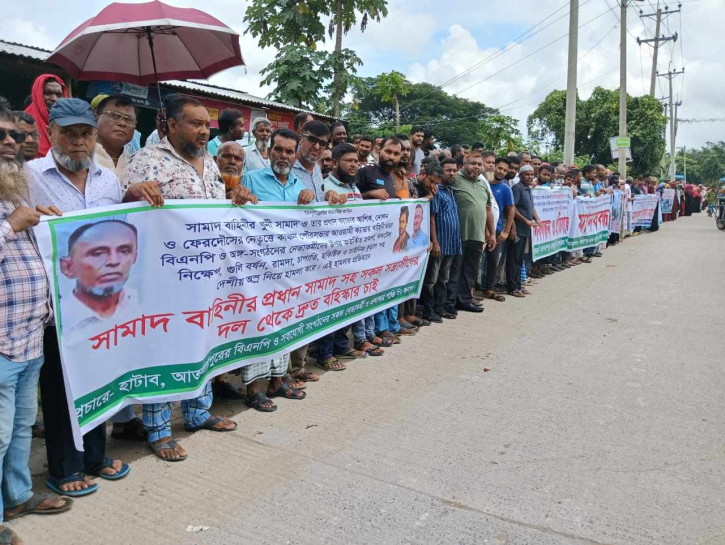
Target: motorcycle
x,y
720,212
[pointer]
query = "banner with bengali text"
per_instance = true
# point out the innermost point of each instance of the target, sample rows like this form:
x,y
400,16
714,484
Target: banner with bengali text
x,y
590,222
150,304
643,210
668,200
554,207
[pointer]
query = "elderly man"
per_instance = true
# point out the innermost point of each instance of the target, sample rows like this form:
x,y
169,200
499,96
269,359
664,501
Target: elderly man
x,y
180,167
70,178
47,90
116,122
24,309
231,126
257,155
28,149
474,204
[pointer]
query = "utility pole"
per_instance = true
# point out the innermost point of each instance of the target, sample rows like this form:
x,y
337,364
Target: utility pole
x,y
657,38
623,86
570,122
684,161
673,114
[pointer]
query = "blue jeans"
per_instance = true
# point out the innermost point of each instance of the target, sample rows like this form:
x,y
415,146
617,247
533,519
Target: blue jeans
x,y
387,320
332,344
157,416
18,409
364,330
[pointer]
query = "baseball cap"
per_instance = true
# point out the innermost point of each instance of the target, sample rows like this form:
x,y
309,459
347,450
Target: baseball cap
x,y
72,111
97,101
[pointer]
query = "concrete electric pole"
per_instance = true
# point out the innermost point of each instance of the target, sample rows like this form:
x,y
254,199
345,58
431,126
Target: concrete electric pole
x,y
623,87
673,118
657,39
570,122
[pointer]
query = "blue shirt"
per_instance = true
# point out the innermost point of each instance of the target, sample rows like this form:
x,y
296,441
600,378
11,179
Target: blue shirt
x,y
48,186
314,182
504,197
448,228
266,187
419,240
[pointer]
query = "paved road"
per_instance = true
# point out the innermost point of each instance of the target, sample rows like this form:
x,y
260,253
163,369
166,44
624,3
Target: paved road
x,y
600,421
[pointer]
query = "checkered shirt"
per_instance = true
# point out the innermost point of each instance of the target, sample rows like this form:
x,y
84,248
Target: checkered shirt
x,y
24,303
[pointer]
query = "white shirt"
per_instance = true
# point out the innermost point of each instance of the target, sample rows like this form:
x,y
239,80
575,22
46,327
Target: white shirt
x,y
103,159
494,203
76,316
253,159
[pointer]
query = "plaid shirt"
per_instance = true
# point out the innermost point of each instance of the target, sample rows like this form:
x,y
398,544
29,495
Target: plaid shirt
x,y
24,303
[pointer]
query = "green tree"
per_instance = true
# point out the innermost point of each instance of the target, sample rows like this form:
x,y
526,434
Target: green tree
x,y
390,87
500,133
299,75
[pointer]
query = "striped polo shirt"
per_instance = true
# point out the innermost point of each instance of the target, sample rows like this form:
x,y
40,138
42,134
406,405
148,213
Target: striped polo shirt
x,y
448,228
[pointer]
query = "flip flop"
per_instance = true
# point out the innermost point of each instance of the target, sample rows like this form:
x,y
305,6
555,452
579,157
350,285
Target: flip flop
x,y
352,354
30,507
384,342
304,375
376,351
255,402
54,484
490,294
209,426
326,365
168,445
108,464
287,391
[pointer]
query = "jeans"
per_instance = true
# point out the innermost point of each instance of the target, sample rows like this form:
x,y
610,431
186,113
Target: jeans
x,y
491,259
464,271
364,330
157,416
332,344
387,320
18,409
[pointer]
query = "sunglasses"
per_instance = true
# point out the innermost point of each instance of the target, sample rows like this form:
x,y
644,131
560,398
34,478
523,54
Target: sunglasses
x,y
18,136
315,141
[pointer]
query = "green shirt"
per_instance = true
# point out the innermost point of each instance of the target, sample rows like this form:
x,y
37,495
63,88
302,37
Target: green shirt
x,y
473,200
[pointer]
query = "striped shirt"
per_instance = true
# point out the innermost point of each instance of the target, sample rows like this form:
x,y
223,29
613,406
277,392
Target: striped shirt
x,y
448,229
314,182
24,303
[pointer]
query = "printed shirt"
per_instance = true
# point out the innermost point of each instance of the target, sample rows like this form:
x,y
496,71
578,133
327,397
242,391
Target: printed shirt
x,y
24,303
473,200
49,186
372,177
333,184
504,197
253,160
266,187
103,159
448,228
313,182
176,177
524,202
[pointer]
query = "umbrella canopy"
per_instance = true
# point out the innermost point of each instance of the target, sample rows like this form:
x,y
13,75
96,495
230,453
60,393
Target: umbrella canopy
x,y
147,43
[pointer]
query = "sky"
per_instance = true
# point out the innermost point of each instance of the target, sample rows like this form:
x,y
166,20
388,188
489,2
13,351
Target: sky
x,y
501,53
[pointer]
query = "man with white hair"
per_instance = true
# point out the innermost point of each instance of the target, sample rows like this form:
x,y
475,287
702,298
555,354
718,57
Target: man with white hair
x,y
257,154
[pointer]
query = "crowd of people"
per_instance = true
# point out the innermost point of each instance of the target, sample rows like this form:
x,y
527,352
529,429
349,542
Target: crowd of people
x,y
64,154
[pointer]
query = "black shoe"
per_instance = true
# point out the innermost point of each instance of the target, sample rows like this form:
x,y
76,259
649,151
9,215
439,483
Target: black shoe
x,y
435,319
468,307
223,390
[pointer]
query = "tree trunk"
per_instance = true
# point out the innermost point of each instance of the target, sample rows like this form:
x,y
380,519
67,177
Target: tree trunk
x,y
397,113
338,49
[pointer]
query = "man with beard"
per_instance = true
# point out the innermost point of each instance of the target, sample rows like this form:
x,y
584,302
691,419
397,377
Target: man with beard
x,y
116,122
47,90
513,172
338,133
417,134
445,233
505,228
364,150
325,163
180,167
525,218
473,200
28,149
257,154
24,309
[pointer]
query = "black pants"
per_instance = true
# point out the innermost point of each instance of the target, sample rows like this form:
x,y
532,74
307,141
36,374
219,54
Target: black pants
x,y
63,458
464,271
514,260
492,258
437,277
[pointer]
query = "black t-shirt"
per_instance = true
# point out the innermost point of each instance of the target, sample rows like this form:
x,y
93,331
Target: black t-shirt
x,y
524,202
636,190
372,177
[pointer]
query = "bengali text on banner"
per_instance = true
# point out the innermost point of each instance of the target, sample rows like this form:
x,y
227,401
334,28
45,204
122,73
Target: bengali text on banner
x,y
643,210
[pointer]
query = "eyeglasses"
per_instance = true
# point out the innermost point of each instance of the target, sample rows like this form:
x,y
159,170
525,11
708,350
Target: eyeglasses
x,y
316,141
117,118
18,136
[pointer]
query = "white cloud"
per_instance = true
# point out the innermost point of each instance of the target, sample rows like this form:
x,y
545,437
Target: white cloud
x,y
19,30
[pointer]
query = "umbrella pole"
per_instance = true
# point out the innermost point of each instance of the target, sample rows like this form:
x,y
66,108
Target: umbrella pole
x,y
150,36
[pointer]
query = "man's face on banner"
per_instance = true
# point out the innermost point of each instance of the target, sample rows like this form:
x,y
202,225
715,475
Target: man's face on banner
x,y
417,219
100,260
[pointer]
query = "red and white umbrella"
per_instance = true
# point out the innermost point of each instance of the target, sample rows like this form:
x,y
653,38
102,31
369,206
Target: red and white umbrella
x,y
147,43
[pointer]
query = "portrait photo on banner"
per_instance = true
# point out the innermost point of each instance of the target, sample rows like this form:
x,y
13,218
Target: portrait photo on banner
x,y
410,232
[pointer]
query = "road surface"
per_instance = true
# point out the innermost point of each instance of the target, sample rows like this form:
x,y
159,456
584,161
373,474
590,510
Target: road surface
x,y
600,421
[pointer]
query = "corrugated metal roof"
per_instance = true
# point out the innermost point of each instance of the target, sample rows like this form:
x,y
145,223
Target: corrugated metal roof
x,y
20,50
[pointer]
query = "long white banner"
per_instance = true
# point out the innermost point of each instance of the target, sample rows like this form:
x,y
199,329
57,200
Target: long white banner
x,y
152,303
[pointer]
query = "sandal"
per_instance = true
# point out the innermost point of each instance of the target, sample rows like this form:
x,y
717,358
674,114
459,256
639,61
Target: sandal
x,y
107,463
168,445
405,324
305,376
328,364
133,430
394,339
406,331
372,351
55,483
516,293
209,425
255,402
385,342
30,507
490,294
8,537
285,390
525,291
352,354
